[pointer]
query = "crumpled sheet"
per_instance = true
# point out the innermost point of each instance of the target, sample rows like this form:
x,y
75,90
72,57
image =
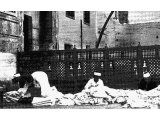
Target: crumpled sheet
x,y
127,98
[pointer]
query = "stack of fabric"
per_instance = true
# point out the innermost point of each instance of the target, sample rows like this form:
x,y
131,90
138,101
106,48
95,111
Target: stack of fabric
x,y
12,96
41,101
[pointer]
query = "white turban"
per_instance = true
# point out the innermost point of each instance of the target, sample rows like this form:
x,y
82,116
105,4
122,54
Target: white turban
x,y
17,75
146,75
97,74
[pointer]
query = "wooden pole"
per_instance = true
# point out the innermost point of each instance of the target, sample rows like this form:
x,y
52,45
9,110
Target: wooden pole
x,y
81,34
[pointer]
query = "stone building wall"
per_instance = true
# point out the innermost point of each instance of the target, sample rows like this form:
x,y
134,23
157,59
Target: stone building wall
x,y
11,40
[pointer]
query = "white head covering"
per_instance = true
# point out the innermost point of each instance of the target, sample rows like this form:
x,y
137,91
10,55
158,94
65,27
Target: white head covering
x,y
146,75
97,74
16,75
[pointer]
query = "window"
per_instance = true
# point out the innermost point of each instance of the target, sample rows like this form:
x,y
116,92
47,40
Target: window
x,y
70,14
68,46
87,17
123,17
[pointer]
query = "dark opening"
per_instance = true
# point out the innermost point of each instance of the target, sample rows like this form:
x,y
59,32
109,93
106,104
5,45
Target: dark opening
x,y
157,37
87,17
123,17
27,30
68,46
70,14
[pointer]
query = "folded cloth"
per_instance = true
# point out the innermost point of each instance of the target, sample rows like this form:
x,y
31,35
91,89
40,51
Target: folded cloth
x,y
69,95
43,104
10,99
66,101
40,99
47,101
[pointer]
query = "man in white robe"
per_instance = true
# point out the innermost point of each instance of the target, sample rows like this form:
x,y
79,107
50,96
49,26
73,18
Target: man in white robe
x,y
95,87
94,82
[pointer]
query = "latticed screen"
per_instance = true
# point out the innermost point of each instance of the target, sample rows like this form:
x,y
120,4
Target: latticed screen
x,y
153,66
82,55
123,53
97,55
148,53
60,70
120,67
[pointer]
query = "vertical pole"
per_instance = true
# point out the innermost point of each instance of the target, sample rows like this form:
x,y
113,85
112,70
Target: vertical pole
x,y
106,65
75,70
1,97
17,61
139,62
157,51
81,34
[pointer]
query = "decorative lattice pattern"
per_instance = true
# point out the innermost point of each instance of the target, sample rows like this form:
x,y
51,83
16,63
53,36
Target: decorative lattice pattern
x,y
120,67
82,55
154,67
122,53
97,55
84,68
148,53
60,70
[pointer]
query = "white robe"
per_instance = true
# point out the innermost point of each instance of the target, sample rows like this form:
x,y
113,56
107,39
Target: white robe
x,y
42,79
92,83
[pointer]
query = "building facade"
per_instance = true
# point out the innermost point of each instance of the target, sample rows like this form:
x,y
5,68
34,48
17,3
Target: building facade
x,y
42,31
61,30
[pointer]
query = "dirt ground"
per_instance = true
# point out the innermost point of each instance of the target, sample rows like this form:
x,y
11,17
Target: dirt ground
x,y
29,106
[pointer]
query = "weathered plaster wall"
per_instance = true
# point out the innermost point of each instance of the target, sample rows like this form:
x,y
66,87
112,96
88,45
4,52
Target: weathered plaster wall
x,y
70,30
143,27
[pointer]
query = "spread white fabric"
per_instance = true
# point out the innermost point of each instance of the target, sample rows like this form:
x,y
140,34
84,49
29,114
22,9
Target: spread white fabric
x,y
95,94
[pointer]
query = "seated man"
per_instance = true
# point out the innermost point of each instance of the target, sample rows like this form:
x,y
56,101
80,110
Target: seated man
x,y
95,88
147,82
95,81
151,84
143,83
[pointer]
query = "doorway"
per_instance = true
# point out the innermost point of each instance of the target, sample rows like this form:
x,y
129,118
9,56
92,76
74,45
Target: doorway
x,y
68,46
27,30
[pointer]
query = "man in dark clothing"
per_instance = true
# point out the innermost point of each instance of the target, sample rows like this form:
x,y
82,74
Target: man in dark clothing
x,y
147,83
142,84
151,85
